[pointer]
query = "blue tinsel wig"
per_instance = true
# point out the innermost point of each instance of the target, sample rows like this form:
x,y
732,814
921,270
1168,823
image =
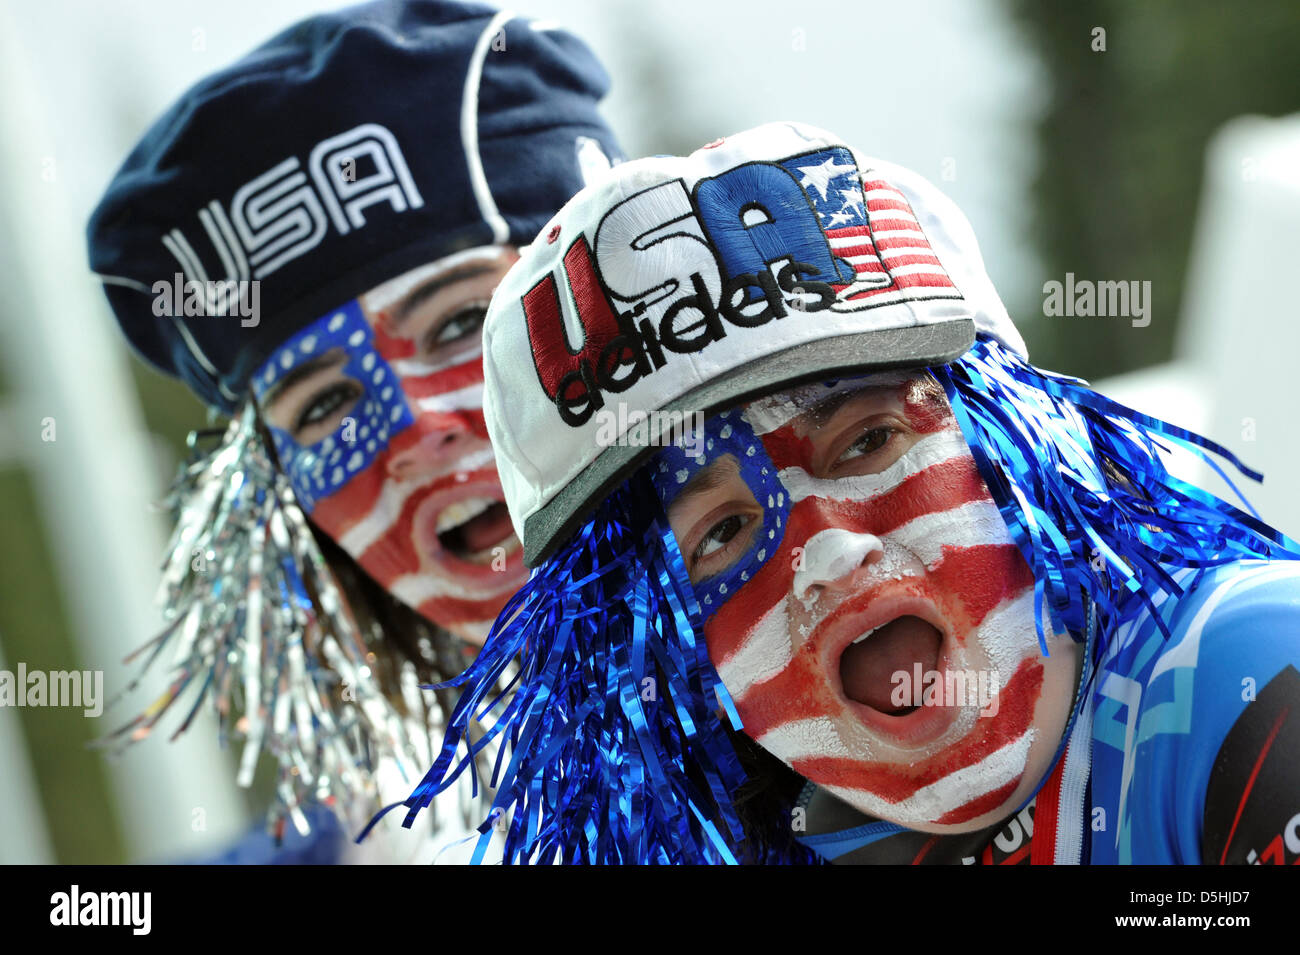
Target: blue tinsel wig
x,y
615,748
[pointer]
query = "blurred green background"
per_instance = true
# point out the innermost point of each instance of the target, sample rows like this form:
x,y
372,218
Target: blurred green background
x,y
1121,149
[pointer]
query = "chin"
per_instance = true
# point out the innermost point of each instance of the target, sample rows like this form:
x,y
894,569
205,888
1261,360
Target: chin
x,y
990,817
990,804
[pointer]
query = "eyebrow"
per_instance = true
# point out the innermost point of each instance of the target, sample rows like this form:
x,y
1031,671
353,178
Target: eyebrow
x,y
823,411
300,373
426,290
708,478
826,409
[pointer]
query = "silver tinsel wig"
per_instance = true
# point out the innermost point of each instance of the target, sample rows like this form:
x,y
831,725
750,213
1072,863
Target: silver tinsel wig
x,y
257,626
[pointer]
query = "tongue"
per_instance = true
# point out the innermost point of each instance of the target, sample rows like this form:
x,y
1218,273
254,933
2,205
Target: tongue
x,y
867,668
483,530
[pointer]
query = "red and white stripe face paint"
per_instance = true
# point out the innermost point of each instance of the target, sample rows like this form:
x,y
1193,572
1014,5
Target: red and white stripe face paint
x,y
376,411
894,560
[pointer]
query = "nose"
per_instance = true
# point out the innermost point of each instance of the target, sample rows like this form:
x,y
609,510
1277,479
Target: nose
x,y
445,440
832,555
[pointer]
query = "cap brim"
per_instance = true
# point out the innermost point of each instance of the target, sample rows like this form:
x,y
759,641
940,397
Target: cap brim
x,y
892,348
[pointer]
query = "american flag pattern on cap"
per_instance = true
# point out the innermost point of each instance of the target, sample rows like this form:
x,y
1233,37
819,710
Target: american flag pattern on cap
x,y
759,260
871,226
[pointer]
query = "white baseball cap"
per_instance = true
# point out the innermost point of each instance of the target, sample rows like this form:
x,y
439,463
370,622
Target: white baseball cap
x,y
761,261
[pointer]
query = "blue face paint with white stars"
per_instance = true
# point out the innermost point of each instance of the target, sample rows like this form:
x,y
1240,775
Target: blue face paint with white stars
x,y
671,471
382,412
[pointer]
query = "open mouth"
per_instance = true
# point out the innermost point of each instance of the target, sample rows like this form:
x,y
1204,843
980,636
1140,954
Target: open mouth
x,y
882,650
470,529
464,533
868,666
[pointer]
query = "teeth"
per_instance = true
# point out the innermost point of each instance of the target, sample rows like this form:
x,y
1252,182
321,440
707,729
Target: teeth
x,y
456,514
865,635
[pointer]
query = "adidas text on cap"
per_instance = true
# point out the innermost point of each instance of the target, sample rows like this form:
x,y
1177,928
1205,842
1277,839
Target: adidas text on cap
x,y
770,258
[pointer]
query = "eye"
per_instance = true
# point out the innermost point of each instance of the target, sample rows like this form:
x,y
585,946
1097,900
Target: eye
x,y
460,324
718,548
324,404
720,534
871,441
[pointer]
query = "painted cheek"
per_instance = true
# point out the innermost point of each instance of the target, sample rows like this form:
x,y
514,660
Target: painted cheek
x,y
446,395
410,430
733,624
729,434
459,386
799,687
334,465
968,580
448,452
450,430
758,639
894,783
752,619
771,559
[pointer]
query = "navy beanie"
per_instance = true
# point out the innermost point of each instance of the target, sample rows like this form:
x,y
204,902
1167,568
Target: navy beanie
x,y
343,152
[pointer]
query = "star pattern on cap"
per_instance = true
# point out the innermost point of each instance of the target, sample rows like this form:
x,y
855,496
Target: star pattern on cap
x,y
819,177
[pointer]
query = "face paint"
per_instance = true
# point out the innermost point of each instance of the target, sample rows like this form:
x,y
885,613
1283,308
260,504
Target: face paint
x,y
376,414
862,545
729,435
